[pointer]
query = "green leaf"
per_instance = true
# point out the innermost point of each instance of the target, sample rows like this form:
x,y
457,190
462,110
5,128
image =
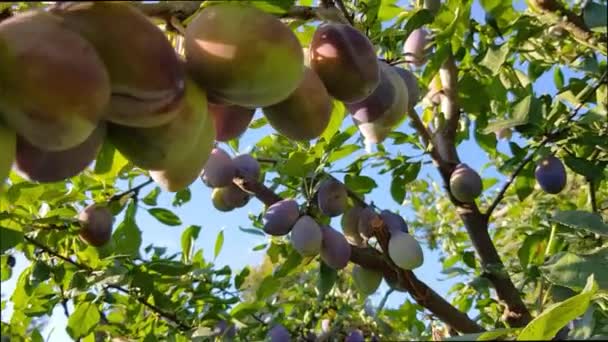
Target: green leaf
x,y
299,164
548,323
105,158
267,287
189,235
495,57
240,278
360,184
170,268
532,250
558,77
582,220
83,320
10,238
398,189
335,121
327,279
484,336
152,196
585,167
524,183
127,238
244,309
165,216
182,197
596,16
219,243
571,270
273,6
253,231
520,116
342,152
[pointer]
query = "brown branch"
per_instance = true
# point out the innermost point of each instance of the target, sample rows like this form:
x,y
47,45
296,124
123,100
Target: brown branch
x,y
566,19
160,312
133,190
373,259
592,196
342,8
475,222
171,9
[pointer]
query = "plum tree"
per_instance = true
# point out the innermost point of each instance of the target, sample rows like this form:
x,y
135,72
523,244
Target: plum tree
x,y
345,60
366,219
247,166
280,217
306,236
414,47
40,165
388,102
350,225
229,198
405,251
278,333
147,80
187,170
96,224
367,281
8,147
222,58
161,147
219,169
465,183
230,121
305,114
51,97
335,250
551,174
394,222
411,83
332,197
355,336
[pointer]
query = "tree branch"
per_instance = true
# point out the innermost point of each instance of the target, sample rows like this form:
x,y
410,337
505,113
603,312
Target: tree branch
x,y
373,259
592,196
342,8
160,312
548,138
569,21
133,190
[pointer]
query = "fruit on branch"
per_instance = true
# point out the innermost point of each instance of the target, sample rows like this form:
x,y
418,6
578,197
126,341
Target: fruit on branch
x,y
280,217
373,132
219,169
184,172
39,165
146,77
355,336
161,147
278,333
305,114
230,121
345,60
432,5
306,236
405,251
247,166
411,83
394,222
551,174
465,183
388,103
54,85
350,225
8,148
96,224
243,55
335,250
414,48
229,198
366,219
366,280
332,197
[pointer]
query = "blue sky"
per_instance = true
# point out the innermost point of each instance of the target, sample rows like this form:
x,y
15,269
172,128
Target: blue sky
x,y
237,251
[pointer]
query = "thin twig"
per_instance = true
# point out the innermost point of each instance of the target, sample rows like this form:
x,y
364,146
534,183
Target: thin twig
x,y
342,8
383,301
160,312
592,195
549,137
133,190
